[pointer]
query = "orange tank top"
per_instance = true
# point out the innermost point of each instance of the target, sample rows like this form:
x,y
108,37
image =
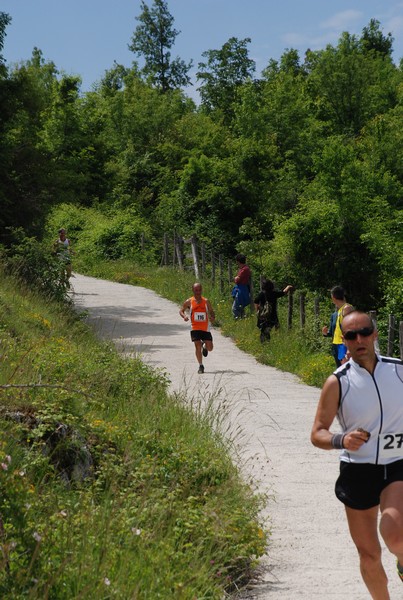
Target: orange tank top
x,y
199,314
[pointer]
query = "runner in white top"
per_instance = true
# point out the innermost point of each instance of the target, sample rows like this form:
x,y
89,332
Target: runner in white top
x,y
366,396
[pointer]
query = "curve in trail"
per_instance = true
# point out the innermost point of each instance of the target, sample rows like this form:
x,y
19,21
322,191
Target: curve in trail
x,y
311,556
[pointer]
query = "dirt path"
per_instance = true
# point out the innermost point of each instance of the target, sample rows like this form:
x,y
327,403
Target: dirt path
x,y
311,556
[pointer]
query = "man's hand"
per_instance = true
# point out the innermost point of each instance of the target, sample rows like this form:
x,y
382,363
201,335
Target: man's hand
x,y
355,439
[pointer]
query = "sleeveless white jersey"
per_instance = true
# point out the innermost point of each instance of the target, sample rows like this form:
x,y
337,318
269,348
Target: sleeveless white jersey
x,y
375,403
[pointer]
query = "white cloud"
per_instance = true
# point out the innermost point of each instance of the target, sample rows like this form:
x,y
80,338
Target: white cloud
x,y
329,31
342,19
314,42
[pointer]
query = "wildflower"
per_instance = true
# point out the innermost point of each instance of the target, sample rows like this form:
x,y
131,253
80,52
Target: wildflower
x,y
63,513
136,531
36,537
107,581
4,466
21,473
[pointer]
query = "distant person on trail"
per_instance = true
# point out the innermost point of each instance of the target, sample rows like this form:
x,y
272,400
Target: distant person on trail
x,y
266,306
241,289
339,349
366,396
62,249
200,314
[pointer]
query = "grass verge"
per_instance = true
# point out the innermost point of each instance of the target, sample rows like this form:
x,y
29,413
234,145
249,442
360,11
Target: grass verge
x,y
109,488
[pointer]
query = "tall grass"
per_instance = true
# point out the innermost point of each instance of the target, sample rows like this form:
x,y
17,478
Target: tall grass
x,y
109,487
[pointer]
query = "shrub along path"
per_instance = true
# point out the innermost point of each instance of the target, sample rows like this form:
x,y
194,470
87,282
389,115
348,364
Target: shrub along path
x,y
269,414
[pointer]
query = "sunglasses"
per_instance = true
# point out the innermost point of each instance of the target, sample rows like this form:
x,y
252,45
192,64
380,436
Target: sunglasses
x,y
352,334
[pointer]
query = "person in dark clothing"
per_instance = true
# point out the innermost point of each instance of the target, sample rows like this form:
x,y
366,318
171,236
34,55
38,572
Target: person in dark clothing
x,y
266,306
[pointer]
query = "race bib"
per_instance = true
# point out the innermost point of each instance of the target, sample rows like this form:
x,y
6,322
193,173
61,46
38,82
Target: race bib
x,y
199,317
391,445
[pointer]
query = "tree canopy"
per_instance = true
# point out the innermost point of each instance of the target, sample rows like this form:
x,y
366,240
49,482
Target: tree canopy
x,y
153,39
300,169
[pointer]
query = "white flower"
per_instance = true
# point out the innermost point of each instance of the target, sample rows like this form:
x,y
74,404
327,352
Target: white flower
x,y
36,536
107,581
136,531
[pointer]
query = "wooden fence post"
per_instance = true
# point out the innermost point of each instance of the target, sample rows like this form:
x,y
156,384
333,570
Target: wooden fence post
x,y
193,241
229,271
166,250
174,253
372,314
142,242
290,307
391,335
212,269
316,308
179,251
251,297
203,259
302,309
221,267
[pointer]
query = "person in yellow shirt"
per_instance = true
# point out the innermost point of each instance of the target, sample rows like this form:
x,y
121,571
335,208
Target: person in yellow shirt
x,y
338,297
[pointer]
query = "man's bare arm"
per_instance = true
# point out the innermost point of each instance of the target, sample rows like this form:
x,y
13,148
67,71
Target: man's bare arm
x,y
185,307
321,436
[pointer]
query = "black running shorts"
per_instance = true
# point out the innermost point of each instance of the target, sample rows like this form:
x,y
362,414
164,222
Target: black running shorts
x,y
197,335
359,486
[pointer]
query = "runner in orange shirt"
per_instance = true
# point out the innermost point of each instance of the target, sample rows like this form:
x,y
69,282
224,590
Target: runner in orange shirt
x,y
200,314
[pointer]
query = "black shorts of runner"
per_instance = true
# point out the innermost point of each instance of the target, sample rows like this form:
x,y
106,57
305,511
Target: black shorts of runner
x,y
359,486
196,335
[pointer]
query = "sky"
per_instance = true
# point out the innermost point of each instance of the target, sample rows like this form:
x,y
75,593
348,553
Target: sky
x,y
85,37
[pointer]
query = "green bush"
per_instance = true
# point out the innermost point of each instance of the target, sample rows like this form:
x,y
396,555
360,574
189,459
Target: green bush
x,y
35,265
98,235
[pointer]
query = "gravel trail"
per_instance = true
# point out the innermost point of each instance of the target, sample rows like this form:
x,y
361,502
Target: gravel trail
x,y
311,556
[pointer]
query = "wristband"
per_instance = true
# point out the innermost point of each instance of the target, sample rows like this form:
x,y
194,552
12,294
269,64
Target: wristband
x,y
337,441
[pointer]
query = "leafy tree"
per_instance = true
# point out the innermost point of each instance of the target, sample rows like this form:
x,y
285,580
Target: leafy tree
x,y
350,85
5,20
152,40
372,39
113,79
223,74
26,174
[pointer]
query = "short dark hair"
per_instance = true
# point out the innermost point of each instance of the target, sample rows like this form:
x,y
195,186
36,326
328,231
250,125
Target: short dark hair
x,y
338,292
241,258
267,285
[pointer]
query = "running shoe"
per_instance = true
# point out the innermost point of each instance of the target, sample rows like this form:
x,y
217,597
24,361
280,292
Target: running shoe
x,y
399,570
204,351
201,369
